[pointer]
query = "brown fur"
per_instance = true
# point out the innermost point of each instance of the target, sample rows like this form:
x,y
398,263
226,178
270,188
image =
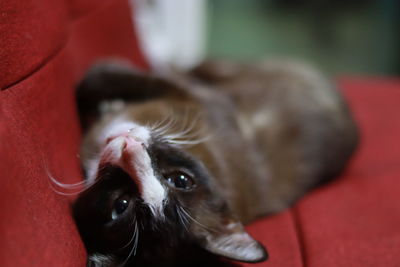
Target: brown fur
x,y
306,137
261,166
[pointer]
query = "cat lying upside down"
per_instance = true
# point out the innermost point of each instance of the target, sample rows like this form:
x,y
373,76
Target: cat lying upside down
x,y
176,165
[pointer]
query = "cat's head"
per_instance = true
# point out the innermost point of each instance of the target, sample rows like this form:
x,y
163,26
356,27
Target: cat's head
x,y
152,202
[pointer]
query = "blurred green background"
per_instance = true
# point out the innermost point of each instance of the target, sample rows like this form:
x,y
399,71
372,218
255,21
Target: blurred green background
x,y
342,37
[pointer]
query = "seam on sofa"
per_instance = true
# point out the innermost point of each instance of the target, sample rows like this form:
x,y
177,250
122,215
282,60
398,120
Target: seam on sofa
x,y
39,66
294,213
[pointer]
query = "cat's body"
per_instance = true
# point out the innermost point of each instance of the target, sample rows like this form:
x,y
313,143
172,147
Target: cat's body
x,y
251,138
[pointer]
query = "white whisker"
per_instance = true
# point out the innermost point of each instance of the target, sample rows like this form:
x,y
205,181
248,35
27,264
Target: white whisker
x,y
188,142
158,125
185,135
184,220
65,186
136,239
67,194
133,235
134,247
197,222
162,127
76,188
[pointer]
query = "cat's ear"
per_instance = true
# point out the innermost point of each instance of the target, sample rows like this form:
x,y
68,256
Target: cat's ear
x,y
233,242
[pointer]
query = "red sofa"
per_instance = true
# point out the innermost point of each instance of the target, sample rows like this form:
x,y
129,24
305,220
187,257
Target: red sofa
x,y
45,47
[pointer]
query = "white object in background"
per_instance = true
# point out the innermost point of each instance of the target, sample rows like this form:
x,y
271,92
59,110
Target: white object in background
x,y
171,32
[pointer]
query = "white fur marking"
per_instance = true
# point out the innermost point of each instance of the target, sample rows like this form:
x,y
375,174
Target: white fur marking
x,y
120,126
238,245
125,145
152,192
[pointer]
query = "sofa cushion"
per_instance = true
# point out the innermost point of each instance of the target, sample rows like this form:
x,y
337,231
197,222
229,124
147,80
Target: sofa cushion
x,y
39,129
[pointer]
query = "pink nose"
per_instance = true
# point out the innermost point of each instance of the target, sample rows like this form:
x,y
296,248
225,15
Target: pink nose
x,y
109,139
129,138
122,149
133,144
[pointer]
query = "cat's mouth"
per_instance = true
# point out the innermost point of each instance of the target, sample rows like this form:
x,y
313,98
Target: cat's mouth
x,y
113,172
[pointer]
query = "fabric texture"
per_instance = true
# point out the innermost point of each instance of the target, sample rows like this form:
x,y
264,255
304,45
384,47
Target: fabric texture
x,y
47,46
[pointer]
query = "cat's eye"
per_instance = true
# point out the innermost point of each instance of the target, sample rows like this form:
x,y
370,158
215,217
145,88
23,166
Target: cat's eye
x,y
120,206
180,180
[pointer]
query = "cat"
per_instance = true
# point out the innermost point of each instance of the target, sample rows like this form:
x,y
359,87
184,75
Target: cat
x,y
177,163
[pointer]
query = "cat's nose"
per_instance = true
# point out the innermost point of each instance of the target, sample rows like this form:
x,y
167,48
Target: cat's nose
x,y
112,137
124,130
127,137
132,145
122,147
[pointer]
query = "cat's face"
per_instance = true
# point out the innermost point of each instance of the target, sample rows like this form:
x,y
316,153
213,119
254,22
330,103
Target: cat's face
x,y
152,202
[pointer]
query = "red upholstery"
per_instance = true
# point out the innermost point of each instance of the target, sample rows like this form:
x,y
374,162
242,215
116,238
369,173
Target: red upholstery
x,y
46,45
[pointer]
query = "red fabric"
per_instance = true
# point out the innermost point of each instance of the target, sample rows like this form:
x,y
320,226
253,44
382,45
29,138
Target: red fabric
x,y
47,45
31,31
355,220
41,64
79,8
